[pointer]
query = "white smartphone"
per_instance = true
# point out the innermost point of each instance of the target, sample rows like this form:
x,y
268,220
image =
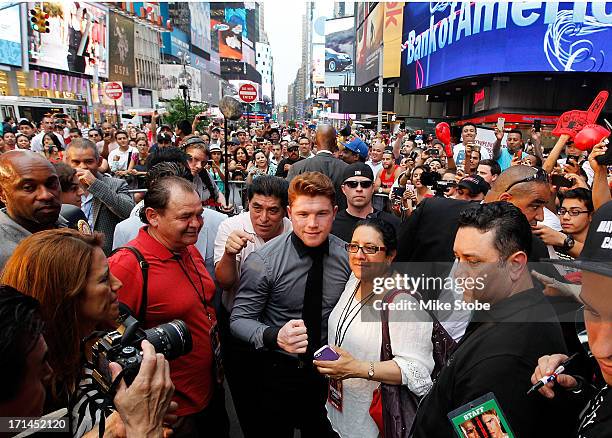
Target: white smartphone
x,y
500,123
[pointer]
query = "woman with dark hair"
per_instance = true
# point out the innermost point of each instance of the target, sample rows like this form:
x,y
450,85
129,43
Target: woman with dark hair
x,y
240,161
261,166
357,339
52,148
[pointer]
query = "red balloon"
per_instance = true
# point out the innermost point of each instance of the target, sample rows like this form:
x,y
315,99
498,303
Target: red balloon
x,y
589,136
443,132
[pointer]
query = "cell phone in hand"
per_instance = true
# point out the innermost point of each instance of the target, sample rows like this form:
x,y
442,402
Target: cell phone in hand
x,y
537,125
326,353
433,152
398,192
500,123
560,181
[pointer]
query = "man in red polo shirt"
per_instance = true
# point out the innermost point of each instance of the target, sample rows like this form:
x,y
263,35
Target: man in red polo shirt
x,y
178,287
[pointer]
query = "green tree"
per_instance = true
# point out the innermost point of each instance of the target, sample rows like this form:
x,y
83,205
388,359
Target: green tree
x,y
176,111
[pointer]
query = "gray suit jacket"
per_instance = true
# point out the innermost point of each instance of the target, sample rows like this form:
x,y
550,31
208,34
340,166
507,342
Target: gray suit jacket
x,y
328,165
111,204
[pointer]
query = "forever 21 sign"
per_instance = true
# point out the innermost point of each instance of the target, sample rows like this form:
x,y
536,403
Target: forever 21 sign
x,y
363,99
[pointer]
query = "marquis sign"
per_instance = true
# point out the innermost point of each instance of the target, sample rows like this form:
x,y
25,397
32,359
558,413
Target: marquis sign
x,y
363,100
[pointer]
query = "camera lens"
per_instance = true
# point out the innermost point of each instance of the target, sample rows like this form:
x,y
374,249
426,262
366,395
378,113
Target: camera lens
x,y
172,339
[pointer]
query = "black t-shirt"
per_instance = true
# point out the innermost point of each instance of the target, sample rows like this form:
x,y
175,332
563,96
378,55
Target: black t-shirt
x,y
280,169
498,354
596,420
344,223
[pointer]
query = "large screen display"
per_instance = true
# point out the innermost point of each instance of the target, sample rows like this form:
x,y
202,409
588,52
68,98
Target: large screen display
x,y
77,40
10,36
443,41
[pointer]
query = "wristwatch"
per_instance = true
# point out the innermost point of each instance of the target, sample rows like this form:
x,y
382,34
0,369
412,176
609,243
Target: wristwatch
x,y
568,243
371,371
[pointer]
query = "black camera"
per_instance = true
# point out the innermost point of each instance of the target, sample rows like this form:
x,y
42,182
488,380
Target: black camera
x,y
122,346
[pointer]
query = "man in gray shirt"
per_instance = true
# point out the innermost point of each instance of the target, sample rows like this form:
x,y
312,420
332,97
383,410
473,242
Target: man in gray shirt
x,y
287,290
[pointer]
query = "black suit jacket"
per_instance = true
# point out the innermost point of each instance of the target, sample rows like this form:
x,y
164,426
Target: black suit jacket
x,y
328,165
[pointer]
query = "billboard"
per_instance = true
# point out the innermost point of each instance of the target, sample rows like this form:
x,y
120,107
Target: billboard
x,y
392,38
228,36
369,37
339,48
200,25
237,17
173,75
10,37
446,41
121,50
77,41
363,100
175,42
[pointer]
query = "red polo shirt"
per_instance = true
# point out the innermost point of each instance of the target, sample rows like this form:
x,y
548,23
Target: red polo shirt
x,y
172,296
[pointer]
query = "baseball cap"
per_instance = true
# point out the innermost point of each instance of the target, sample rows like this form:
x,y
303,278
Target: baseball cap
x,y
475,184
163,137
216,128
215,148
596,255
358,169
240,131
357,146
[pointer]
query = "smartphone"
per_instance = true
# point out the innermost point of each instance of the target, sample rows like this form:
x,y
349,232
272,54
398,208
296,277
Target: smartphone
x,y
398,192
433,152
326,353
518,155
475,147
409,187
500,123
413,155
560,181
537,125
605,159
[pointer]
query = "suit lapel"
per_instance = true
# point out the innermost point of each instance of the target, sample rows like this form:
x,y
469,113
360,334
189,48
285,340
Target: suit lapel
x,y
96,209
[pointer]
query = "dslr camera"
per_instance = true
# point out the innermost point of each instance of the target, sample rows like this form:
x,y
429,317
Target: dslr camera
x,y
122,346
434,180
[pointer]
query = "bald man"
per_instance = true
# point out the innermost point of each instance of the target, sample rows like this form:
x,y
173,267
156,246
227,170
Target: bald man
x,y
30,190
324,162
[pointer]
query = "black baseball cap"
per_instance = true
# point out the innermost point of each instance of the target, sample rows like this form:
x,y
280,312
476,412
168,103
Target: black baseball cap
x,y
475,184
163,137
358,169
596,255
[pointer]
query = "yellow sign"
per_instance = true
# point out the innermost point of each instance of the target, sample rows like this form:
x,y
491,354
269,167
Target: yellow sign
x,y
392,38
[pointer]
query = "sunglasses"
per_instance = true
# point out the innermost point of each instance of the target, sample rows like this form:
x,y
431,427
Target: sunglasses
x,y
539,175
354,184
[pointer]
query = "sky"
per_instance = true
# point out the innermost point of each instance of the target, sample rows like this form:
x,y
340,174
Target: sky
x,y
283,24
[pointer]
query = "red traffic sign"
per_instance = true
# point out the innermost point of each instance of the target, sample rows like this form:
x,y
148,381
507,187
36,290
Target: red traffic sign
x,y
247,93
113,90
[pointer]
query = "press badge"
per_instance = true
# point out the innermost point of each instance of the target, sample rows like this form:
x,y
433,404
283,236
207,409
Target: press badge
x,y
482,418
334,394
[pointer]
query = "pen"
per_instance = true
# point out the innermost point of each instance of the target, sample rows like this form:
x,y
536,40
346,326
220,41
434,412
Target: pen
x,y
544,380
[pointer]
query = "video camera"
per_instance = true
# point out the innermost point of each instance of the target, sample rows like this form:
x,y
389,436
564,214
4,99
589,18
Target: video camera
x,y
122,346
434,180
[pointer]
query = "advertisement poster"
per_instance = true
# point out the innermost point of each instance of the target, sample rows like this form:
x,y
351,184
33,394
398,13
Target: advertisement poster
x,y
228,34
10,37
392,39
173,75
339,48
546,37
77,41
369,37
200,25
121,53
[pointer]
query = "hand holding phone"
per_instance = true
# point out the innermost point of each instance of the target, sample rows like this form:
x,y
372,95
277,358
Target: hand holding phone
x,y
326,353
500,123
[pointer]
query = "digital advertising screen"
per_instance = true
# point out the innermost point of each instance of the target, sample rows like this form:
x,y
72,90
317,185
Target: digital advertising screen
x,y
339,48
10,37
443,41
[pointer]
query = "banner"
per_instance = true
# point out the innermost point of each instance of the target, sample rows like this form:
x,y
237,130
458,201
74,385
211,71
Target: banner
x,y
363,100
369,37
174,75
10,37
339,48
444,41
392,39
200,25
121,53
77,41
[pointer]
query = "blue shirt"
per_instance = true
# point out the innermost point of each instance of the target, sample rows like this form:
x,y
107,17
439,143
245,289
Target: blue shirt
x,y
505,158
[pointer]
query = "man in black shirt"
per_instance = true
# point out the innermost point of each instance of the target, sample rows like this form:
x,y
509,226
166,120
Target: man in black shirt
x,y
358,187
293,157
502,343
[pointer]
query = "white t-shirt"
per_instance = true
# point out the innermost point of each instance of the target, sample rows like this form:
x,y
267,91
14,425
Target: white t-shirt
x,y
123,160
240,222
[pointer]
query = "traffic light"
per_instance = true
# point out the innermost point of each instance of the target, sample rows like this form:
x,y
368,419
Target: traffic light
x,y
40,20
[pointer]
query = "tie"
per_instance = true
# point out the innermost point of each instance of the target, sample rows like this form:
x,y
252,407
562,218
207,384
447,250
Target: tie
x,y
313,300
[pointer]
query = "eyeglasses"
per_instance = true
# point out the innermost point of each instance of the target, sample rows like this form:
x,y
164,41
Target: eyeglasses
x,y
367,249
354,184
573,213
539,175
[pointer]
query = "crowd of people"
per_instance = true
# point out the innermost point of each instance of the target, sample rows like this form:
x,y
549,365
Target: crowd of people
x,y
265,249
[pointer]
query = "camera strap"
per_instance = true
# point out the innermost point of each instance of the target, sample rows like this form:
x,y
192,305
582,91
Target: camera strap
x,y
144,269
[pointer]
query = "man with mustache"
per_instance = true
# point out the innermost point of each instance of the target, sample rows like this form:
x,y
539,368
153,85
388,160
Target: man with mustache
x,y
30,191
